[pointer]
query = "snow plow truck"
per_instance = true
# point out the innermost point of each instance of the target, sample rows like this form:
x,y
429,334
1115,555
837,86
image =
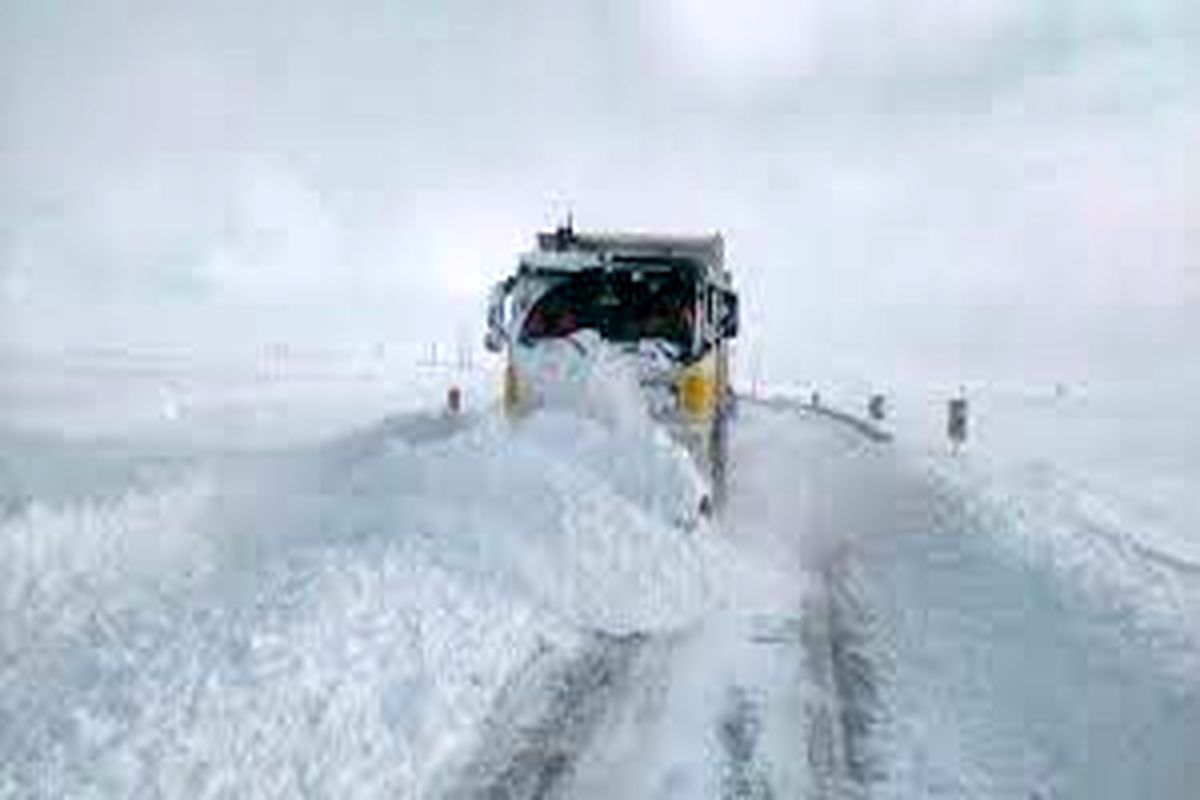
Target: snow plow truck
x,y
666,300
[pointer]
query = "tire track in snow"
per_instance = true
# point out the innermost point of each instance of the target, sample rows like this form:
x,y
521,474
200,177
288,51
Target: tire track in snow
x,y
739,729
543,719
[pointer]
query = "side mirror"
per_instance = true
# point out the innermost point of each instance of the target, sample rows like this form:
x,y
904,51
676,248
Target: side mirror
x,y
729,316
496,336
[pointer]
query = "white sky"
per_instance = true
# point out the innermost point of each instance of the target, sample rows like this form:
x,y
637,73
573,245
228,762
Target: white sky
x,y
905,185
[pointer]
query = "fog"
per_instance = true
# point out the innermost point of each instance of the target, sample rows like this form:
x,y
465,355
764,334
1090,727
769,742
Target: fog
x,y
907,189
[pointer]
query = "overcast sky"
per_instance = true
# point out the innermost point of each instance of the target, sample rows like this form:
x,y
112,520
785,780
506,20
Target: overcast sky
x,y
1009,189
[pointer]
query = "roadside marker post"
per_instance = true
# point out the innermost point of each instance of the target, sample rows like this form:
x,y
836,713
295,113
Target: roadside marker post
x,y
956,422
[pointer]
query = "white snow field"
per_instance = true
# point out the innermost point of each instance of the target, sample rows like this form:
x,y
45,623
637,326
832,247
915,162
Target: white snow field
x,y
439,606
331,619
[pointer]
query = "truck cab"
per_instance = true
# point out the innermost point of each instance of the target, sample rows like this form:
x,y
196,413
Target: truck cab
x,y
668,299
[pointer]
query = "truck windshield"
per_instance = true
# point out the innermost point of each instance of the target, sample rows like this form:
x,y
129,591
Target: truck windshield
x,y
622,305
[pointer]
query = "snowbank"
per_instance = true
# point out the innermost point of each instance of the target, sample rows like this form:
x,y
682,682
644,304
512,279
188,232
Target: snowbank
x,y
331,620
1016,651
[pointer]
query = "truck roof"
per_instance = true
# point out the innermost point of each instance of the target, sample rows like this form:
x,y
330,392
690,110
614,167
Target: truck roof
x,y
566,249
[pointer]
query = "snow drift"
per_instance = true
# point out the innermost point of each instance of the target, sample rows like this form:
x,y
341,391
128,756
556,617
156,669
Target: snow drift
x,y
335,619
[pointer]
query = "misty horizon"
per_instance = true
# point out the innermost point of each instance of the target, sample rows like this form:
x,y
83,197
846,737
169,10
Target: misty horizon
x,y
1000,191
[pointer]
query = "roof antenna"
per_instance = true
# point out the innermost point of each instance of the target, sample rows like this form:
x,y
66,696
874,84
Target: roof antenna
x,y
565,233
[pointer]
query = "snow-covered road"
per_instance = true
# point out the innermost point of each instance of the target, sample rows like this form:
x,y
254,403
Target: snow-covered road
x,y
426,609
894,631
763,696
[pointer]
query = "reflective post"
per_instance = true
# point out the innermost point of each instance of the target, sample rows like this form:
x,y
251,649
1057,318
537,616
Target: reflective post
x,y
956,422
